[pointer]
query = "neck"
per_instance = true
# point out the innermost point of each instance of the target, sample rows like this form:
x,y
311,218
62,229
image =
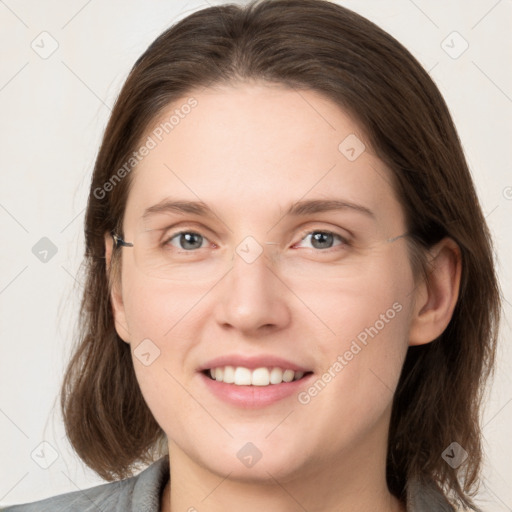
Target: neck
x,y
358,484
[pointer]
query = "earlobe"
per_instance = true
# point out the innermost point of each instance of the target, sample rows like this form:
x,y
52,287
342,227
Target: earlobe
x,y
437,296
116,297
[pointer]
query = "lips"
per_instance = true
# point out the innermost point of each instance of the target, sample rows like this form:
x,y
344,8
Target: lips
x,y
253,381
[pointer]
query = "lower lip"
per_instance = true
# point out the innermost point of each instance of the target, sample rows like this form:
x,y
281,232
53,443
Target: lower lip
x,y
252,397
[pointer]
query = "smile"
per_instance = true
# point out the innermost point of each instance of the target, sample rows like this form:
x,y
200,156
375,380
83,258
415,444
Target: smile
x,y
241,376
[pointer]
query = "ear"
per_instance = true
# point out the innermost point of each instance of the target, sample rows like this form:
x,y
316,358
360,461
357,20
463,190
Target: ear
x,y
436,296
116,296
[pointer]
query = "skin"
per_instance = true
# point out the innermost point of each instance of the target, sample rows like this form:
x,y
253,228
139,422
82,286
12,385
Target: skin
x,y
249,151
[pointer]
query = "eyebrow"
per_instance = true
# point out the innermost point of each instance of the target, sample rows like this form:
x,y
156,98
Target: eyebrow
x,y
300,208
168,205
326,205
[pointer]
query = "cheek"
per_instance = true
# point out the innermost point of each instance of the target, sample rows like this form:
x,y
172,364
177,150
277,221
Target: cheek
x,y
157,309
161,320
367,337
368,317
372,298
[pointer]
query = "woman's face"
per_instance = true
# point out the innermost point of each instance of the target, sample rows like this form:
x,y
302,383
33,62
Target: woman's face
x,y
324,289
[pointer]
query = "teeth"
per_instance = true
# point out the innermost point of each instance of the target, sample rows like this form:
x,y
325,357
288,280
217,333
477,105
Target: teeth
x,y
229,375
240,376
288,375
276,376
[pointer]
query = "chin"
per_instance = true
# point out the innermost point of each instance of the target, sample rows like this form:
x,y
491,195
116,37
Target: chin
x,y
260,461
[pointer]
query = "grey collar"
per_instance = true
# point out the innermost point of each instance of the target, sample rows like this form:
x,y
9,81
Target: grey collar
x,y
423,496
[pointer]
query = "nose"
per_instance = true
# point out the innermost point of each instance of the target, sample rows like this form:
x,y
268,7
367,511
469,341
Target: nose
x,y
252,299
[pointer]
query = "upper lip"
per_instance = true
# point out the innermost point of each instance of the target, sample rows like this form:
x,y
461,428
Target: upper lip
x,y
253,362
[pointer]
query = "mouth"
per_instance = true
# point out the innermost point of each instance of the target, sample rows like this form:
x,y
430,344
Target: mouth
x,y
254,388
257,377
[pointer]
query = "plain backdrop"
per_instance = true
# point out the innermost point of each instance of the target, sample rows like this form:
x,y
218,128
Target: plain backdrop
x,y
62,66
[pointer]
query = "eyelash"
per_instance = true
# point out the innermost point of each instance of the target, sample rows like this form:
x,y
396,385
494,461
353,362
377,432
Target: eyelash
x,y
343,240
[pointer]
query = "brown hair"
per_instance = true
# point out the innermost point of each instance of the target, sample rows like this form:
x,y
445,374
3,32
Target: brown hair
x,y
318,45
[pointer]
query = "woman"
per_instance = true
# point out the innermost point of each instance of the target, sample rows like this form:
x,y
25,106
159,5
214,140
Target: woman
x,y
283,292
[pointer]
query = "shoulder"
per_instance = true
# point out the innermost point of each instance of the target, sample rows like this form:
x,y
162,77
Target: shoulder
x,y
140,493
426,496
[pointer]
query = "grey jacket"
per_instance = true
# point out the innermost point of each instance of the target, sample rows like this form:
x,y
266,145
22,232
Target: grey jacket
x,y
142,493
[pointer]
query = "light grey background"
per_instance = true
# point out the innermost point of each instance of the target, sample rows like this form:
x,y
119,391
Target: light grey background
x,y
53,111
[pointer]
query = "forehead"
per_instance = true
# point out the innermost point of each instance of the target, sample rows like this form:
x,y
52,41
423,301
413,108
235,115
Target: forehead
x,y
257,148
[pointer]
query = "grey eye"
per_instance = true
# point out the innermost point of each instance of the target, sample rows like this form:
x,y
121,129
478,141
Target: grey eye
x,y
187,240
321,239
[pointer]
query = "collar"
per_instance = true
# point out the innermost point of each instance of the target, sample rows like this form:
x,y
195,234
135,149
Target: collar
x,y
426,496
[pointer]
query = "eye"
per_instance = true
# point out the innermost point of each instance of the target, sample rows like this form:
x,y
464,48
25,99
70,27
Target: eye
x,y
324,239
187,240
